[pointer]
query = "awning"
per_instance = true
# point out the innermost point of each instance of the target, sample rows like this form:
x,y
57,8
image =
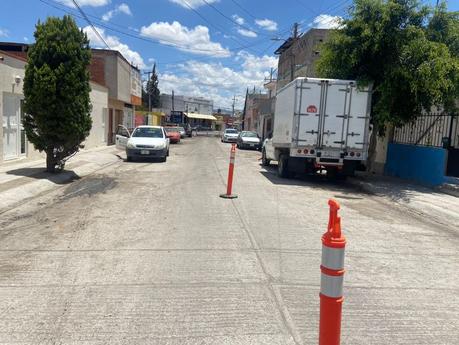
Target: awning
x,y
200,116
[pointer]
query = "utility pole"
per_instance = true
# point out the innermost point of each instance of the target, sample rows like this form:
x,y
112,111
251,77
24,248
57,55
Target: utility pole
x,y
292,55
149,91
234,101
173,109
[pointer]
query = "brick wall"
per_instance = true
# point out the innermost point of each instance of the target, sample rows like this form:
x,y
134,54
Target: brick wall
x,y
97,71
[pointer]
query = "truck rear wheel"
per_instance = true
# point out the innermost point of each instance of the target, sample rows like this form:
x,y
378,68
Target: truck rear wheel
x,y
282,166
264,161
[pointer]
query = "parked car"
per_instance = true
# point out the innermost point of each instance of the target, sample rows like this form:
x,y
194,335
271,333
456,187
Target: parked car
x,y
230,135
173,133
182,132
188,130
248,140
144,142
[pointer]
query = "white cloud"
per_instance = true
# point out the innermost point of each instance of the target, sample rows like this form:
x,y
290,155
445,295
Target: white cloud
x,y
266,24
238,19
195,40
256,63
246,33
115,44
93,3
192,3
3,32
26,39
215,81
122,8
325,21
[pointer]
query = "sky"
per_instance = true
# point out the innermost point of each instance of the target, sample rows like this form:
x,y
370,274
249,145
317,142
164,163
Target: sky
x,y
209,48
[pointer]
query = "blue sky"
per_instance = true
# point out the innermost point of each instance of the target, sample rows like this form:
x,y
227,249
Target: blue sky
x,y
210,48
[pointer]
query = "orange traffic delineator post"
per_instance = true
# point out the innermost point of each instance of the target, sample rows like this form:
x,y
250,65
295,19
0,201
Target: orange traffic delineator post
x,y
229,185
331,280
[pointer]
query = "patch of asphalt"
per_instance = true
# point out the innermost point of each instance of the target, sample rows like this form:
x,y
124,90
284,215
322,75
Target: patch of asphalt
x,y
89,186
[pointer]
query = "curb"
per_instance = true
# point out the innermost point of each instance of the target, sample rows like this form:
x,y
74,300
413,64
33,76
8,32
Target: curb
x,y
368,187
450,189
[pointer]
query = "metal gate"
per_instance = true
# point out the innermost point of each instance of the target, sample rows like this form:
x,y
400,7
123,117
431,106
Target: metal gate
x,y
434,130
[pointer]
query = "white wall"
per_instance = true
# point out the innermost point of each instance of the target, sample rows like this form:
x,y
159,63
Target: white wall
x,y
99,101
10,68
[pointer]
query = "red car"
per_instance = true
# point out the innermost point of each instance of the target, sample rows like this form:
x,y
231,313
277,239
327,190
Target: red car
x,y
173,134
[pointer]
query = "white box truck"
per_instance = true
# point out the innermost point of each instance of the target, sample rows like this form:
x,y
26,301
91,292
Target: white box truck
x,y
319,124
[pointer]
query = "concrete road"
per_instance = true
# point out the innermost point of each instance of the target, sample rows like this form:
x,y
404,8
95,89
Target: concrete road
x,y
147,253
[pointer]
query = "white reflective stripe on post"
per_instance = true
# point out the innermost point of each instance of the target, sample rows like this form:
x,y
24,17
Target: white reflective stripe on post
x,y
333,258
331,286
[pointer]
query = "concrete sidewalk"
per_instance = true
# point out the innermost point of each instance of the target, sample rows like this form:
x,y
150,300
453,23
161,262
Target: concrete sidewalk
x,y
23,180
433,203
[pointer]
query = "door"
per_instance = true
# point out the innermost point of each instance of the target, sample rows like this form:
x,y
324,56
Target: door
x,y
110,127
121,137
452,168
334,119
358,119
308,110
11,133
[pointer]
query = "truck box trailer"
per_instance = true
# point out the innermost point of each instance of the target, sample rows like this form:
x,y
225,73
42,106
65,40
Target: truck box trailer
x,y
319,124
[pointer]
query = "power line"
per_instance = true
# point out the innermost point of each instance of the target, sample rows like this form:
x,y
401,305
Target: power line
x,y
166,43
210,23
232,20
89,22
160,41
243,9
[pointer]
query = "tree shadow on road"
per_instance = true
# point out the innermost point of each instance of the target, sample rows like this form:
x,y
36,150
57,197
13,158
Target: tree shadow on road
x,y
312,181
395,189
63,177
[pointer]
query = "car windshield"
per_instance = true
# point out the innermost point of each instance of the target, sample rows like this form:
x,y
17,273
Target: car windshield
x,y
231,131
249,134
148,132
172,129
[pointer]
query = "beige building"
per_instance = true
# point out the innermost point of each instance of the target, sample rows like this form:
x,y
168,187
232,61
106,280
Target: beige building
x,y
14,144
297,56
111,69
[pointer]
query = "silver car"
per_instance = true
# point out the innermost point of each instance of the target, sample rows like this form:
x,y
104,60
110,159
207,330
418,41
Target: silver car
x,y
182,132
230,135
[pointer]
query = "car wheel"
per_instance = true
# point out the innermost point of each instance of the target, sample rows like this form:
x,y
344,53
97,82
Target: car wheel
x,y
167,154
264,161
282,167
163,159
129,159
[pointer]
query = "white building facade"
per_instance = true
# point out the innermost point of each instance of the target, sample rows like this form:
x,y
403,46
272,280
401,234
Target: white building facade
x,y
197,105
14,144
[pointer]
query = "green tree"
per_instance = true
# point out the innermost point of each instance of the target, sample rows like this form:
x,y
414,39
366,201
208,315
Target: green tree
x,y
152,90
56,90
403,50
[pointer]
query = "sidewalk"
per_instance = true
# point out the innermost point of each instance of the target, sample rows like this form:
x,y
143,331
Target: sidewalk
x,y
440,207
22,180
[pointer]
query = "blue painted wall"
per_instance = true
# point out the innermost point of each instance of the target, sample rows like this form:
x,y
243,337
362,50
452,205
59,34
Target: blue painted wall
x,y
419,163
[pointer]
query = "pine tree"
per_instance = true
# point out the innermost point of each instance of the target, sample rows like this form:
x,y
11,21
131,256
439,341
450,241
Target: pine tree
x,y
152,90
56,90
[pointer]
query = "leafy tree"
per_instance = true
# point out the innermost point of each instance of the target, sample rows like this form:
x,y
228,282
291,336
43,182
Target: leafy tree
x,y
408,52
56,90
152,91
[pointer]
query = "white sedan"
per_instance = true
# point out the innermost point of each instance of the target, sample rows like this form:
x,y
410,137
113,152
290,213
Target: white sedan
x,y
230,135
144,142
